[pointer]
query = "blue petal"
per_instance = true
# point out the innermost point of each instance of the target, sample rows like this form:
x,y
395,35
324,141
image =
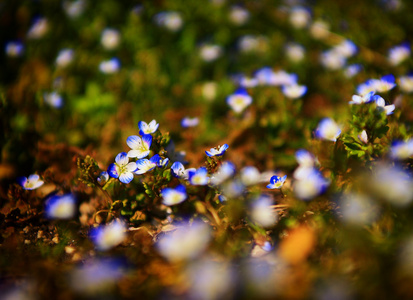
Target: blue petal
x,y
122,159
22,180
181,188
202,171
112,171
147,139
388,78
155,159
191,173
126,177
284,178
176,166
141,125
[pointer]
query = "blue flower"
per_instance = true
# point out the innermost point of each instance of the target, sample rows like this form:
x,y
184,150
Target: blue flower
x,y
173,196
103,178
163,162
218,151
110,66
399,53
53,99
352,70
122,168
108,236
61,207
140,146
276,182
189,122
31,183
294,91
367,98
239,100
145,128
401,150
328,130
198,177
389,109
179,171
310,184
146,165
14,49
225,171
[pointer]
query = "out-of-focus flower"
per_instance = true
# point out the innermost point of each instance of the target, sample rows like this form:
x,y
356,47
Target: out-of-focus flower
x,y
96,276
140,146
110,38
332,60
122,168
352,70
209,279
239,100
14,49
367,98
300,17
320,29
186,242
252,43
61,207
74,8
174,196
198,177
276,182
363,137
401,150
145,128
38,29
247,82
238,15
310,184
328,130
346,48
146,165
382,85
210,53
217,151
31,183
393,184
399,54
406,83
53,99
103,178
306,163
110,66
162,162
170,20
358,209
262,212
250,175
189,122
225,171
294,91
64,58
233,189
108,236
209,90
389,109
295,52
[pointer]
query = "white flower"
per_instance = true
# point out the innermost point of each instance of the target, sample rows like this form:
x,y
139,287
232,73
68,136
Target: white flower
x,y
109,66
110,235
61,207
406,83
238,15
239,100
294,91
145,128
31,183
140,146
64,58
328,130
300,17
110,38
38,29
262,212
295,52
398,54
173,196
210,53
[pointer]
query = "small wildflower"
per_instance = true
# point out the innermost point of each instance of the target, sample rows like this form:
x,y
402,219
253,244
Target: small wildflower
x,y
110,38
358,209
225,171
140,146
64,58
239,100
346,48
294,91
328,130
103,178
53,99
198,177
262,213
218,151
108,236
189,122
145,128
170,20
31,183
61,207
162,162
363,137
300,17
401,150
310,185
122,168
109,66
179,171
238,15
295,52
174,196
352,70
389,109
74,8
146,165
332,60
186,242
399,54
210,53
276,182
38,29
250,175
406,83
14,49
320,29
362,99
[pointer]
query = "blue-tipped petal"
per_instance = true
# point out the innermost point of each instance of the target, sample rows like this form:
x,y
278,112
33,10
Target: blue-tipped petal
x,y
126,177
388,78
155,159
122,159
147,139
181,188
133,141
112,171
22,180
177,169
